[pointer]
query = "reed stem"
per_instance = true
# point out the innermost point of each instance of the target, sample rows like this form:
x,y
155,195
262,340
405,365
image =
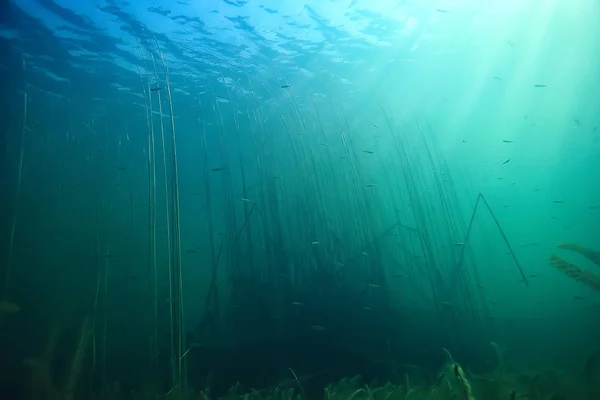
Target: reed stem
x,y
13,227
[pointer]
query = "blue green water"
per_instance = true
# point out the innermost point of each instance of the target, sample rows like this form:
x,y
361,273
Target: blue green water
x,y
199,193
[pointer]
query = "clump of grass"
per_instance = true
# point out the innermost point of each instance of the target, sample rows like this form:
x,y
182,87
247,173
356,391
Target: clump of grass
x,y
461,377
590,254
575,272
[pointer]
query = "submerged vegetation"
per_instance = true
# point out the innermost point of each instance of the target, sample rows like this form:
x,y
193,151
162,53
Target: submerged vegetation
x,y
575,272
254,239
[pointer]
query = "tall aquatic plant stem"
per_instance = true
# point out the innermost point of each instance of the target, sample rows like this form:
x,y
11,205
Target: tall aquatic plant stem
x,y
13,227
97,296
177,248
151,213
213,289
168,220
461,259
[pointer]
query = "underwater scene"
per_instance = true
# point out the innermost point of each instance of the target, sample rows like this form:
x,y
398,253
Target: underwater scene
x,y
300,200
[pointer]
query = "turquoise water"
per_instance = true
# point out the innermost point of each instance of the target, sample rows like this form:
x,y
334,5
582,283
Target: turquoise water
x,y
286,194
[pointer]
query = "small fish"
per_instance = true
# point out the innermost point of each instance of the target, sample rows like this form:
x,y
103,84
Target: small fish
x,y
594,207
297,303
317,328
367,308
187,351
441,10
540,86
374,285
447,303
507,141
558,202
121,168
533,275
245,200
219,169
459,244
376,126
364,253
497,78
368,151
314,243
400,275
578,297
481,285
369,185
339,264
506,162
155,89
285,86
